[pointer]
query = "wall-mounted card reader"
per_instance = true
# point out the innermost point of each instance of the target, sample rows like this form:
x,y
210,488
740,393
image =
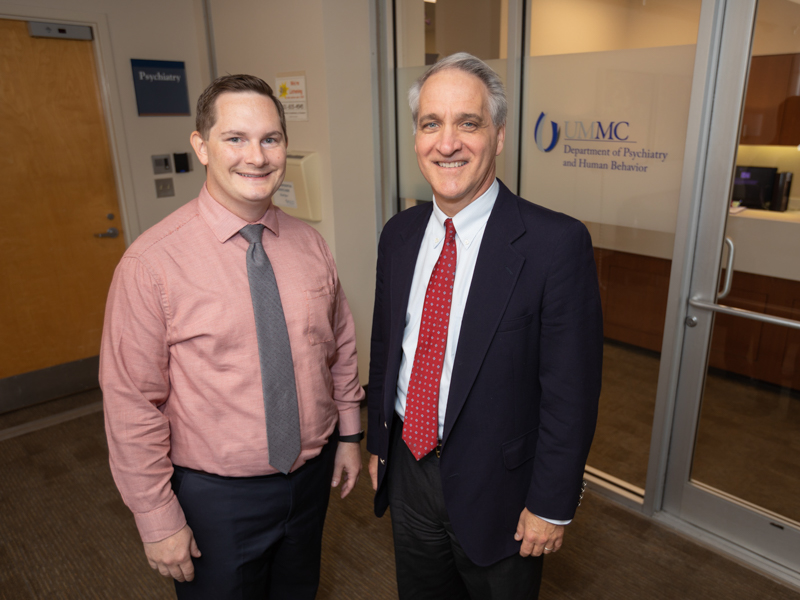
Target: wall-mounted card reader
x,y
300,193
183,162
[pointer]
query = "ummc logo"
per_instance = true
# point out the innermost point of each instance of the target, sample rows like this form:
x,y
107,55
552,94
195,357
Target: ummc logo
x,y
593,131
596,131
537,134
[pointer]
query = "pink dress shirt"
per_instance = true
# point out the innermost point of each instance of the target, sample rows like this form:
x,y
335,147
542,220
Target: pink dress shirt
x,y
179,365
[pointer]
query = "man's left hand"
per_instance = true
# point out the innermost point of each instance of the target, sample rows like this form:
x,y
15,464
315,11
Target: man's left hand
x,y
537,535
347,466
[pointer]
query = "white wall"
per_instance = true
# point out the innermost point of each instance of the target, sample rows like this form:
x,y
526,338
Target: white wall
x,y
410,33
777,28
468,26
267,38
145,29
330,42
572,26
352,156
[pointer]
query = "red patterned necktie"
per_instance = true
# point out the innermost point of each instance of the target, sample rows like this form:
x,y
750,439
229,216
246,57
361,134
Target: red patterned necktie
x,y
421,423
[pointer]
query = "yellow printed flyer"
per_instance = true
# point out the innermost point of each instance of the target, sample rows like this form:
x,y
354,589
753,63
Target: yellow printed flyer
x,y
291,91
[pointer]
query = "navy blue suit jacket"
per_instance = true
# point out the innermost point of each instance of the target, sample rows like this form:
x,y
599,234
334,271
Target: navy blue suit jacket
x,y
522,406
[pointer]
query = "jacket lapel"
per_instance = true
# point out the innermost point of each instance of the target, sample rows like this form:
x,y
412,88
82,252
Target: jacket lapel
x,y
496,272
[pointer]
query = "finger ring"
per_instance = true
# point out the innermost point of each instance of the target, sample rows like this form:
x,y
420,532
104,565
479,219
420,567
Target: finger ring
x,y
550,549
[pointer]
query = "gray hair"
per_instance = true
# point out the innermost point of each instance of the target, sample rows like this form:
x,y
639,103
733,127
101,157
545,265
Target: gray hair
x,y
498,105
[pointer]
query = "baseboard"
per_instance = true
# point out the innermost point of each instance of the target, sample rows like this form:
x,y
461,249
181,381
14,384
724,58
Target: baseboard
x,y
34,387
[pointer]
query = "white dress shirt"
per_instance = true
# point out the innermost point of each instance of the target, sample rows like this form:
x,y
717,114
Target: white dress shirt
x,y
470,223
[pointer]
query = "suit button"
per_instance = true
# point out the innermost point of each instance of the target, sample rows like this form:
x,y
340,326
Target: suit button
x,y
385,425
383,462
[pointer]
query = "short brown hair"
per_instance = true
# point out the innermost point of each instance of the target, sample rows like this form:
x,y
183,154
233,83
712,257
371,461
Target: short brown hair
x,y
206,112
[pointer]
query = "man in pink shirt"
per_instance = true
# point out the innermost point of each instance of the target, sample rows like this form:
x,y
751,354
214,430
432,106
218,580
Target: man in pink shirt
x,y
189,377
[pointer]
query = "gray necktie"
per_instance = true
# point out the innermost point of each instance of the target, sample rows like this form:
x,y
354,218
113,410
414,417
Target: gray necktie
x,y
275,355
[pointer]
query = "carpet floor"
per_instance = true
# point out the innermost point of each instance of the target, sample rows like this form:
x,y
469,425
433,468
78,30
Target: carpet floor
x,y
65,533
748,443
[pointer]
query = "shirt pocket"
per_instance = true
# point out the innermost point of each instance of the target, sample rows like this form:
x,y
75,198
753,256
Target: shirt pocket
x,y
320,305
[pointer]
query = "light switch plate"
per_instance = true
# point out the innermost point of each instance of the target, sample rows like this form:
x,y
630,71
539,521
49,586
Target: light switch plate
x,y
164,188
162,163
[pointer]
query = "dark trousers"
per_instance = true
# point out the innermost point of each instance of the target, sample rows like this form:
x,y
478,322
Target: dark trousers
x,y
260,537
430,562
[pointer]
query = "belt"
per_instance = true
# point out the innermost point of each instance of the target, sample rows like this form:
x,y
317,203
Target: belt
x,y
229,477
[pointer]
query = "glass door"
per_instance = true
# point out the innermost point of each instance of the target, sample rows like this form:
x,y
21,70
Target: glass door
x,y
607,115
427,30
735,454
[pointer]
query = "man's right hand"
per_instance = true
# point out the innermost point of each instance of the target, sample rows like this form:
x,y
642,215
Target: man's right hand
x,y
373,471
172,557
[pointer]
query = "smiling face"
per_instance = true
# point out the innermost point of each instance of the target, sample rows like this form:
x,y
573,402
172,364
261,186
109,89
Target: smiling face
x,y
245,153
456,141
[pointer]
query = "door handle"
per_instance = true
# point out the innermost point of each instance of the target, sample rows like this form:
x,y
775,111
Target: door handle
x,y
726,287
111,232
747,314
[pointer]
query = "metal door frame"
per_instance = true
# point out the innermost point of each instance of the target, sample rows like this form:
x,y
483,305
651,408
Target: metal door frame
x,y
760,537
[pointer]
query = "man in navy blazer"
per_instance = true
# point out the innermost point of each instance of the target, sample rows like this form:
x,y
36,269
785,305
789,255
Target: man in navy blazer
x,y
519,381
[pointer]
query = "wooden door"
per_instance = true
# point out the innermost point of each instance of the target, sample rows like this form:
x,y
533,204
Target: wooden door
x,y
57,192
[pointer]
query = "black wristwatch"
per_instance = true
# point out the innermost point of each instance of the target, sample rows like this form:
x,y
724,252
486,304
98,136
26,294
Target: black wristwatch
x,y
356,437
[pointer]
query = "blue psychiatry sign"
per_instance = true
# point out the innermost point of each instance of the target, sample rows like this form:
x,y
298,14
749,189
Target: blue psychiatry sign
x,y
160,87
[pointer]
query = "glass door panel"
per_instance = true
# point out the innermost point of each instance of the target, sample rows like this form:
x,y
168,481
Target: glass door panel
x,y
748,437
606,107
748,440
735,454
428,30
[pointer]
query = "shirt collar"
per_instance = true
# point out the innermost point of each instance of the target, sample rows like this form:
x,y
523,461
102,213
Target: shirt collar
x,y
224,224
471,219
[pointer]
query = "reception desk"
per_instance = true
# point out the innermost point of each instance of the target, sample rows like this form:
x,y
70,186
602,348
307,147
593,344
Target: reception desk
x,y
634,269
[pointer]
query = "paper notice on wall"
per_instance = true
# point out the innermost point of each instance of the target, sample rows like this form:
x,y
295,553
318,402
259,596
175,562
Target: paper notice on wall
x,y
285,196
292,94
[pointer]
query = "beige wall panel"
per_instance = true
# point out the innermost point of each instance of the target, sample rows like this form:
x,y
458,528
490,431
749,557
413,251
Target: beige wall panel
x,y
330,43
